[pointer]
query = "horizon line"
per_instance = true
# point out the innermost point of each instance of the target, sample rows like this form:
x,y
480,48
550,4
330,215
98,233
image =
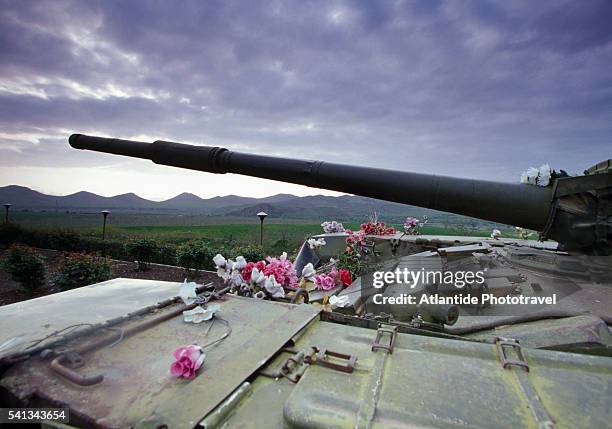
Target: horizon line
x,y
171,198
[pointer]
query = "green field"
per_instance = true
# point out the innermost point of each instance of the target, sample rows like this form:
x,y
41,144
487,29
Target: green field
x,y
180,228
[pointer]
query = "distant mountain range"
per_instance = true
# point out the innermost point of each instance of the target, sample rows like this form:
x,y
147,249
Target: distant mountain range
x,y
344,208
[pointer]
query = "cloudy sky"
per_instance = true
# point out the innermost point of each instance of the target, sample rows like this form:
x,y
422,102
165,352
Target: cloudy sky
x,y
474,89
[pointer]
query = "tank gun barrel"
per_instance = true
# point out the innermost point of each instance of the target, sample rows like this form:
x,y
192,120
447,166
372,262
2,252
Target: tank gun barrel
x,y
512,204
575,211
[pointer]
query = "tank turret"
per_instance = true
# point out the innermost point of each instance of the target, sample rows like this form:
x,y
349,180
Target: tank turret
x,y
575,211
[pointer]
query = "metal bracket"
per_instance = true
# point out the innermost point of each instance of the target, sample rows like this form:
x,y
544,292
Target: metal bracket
x,y
292,368
323,355
502,345
382,330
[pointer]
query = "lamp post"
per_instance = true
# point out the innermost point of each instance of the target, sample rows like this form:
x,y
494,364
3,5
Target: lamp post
x,y
105,213
6,206
261,216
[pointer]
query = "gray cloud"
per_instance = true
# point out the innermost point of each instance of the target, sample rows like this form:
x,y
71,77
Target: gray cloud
x,y
481,89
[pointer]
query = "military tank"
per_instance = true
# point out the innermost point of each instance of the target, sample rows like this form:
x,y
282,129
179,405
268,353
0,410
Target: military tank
x,y
382,352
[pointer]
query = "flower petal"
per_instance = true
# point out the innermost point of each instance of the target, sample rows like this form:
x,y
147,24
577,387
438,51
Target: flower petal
x,y
179,352
177,369
187,292
200,361
308,271
240,263
219,260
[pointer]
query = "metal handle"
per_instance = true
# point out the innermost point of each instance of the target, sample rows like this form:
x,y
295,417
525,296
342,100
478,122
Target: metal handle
x,y
68,373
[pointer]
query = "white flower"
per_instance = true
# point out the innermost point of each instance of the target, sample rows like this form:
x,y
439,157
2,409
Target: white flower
x,y
537,176
199,314
314,243
221,272
240,263
544,175
283,256
308,271
187,292
273,288
339,301
495,234
530,177
219,260
257,276
236,278
229,265
332,227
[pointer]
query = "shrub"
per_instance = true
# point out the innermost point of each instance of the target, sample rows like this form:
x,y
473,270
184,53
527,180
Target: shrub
x,y
166,254
9,233
143,250
250,252
195,254
26,266
70,241
66,239
78,270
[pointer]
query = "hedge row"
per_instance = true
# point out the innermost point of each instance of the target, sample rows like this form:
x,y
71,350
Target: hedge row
x,y
196,254
29,267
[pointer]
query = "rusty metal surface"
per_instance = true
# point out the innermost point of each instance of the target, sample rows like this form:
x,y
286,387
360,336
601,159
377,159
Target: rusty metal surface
x,y
36,318
137,385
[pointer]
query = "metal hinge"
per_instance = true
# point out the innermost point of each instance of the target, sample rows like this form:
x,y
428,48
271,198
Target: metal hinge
x,y
292,368
323,356
380,333
295,365
503,344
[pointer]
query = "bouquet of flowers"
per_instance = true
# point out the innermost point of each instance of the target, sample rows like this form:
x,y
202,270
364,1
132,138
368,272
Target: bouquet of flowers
x,y
261,279
375,227
538,176
412,224
282,270
326,280
355,238
332,227
315,243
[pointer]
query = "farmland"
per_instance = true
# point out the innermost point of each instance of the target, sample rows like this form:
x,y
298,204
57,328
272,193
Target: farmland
x,y
175,229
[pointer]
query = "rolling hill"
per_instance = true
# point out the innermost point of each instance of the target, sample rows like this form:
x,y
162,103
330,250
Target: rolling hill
x,y
345,207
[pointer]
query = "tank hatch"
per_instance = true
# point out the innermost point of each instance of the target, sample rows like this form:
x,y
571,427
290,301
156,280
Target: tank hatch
x,y
137,386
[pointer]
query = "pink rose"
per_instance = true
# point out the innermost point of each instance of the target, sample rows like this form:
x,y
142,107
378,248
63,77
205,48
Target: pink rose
x,y
325,282
188,360
283,271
